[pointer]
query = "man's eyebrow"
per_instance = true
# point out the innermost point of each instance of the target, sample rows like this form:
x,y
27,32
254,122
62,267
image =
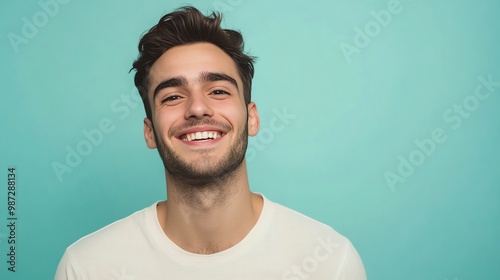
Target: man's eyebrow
x,y
171,82
213,77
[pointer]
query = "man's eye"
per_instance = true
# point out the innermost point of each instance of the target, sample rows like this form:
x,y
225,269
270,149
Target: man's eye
x,y
171,98
219,91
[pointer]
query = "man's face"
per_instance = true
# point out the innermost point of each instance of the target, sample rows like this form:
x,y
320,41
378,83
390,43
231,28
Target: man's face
x,y
200,123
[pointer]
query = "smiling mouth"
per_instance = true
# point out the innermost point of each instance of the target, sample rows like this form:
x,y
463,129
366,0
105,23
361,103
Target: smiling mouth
x,y
200,136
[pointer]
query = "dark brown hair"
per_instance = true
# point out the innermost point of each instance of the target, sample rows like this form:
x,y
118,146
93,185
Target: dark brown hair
x,y
184,26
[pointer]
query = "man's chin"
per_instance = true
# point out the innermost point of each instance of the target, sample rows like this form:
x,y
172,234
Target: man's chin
x,y
201,172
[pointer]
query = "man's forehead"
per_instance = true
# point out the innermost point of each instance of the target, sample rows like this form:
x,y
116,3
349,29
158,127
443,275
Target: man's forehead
x,y
192,57
191,62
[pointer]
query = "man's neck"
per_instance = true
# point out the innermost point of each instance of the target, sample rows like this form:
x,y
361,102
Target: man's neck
x,y
212,219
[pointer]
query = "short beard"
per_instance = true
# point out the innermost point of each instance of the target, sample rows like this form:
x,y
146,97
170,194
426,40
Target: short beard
x,y
211,177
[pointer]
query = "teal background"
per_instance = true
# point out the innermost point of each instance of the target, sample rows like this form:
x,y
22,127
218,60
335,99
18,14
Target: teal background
x,y
352,121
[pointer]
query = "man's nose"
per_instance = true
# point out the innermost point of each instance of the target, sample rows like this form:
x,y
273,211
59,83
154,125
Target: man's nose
x,y
198,106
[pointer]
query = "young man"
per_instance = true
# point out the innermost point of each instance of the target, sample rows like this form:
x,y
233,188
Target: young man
x,y
195,82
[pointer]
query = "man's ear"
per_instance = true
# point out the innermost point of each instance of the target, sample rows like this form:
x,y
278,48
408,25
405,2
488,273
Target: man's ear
x,y
253,119
149,134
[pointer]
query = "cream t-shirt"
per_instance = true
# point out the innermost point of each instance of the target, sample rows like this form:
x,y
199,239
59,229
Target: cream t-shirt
x,y
283,244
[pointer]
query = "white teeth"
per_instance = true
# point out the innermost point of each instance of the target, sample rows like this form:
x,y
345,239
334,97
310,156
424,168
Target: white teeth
x,y
203,135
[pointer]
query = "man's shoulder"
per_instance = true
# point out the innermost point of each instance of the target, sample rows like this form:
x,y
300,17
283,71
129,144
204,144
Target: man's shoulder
x,y
116,234
311,246
293,223
294,217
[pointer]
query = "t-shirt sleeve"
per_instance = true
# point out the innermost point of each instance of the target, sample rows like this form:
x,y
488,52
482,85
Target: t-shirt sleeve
x,y
66,269
353,268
